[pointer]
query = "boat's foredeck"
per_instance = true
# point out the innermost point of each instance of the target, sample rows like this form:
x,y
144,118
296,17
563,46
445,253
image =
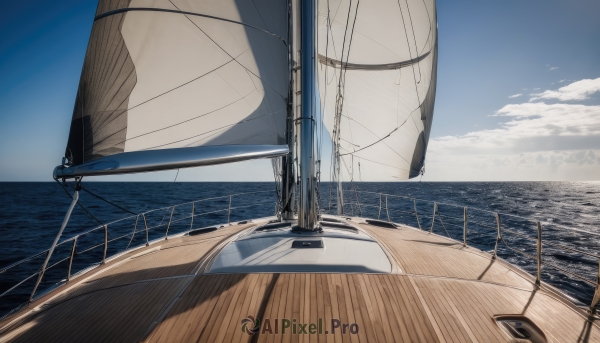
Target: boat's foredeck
x,y
438,291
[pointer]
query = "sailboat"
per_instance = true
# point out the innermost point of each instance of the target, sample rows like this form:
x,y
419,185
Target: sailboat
x,y
171,84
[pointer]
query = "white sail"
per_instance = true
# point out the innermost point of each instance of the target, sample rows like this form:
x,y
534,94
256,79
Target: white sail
x,y
377,76
181,74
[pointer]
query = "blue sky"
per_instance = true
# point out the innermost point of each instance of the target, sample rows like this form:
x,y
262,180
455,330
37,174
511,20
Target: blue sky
x,y
488,126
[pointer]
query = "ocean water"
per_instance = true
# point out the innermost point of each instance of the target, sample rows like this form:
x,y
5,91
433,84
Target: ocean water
x,y
31,215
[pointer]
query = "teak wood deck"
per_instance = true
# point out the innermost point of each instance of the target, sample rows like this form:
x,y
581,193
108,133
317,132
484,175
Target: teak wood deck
x,y
438,291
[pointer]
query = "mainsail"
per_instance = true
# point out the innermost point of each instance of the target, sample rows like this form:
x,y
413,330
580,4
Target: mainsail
x,y
377,79
178,83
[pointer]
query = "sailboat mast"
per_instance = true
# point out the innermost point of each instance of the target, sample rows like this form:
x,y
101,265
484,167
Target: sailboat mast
x,y
307,207
288,180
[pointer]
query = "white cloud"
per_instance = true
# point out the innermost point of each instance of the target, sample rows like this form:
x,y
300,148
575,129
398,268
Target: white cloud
x,y
561,81
575,165
579,90
531,123
515,96
553,68
539,142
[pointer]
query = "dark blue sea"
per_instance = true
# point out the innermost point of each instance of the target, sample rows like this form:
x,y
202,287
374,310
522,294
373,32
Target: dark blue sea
x,y
31,215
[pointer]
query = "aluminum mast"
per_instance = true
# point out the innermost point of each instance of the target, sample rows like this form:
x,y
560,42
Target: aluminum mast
x,y
307,212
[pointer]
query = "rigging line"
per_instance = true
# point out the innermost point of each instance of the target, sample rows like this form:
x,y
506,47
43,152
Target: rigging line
x,y
264,91
168,127
430,31
344,42
257,11
318,111
333,77
327,82
351,136
444,226
206,132
339,95
399,126
350,43
176,175
415,123
383,164
359,173
351,177
245,138
346,166
107,201
409,51
235,58
184,84
221,130
277,178
333,163
412,28
324,102
345,69
319,123
370,145
80,204
270,49
150,9
349,142
337,10
356,191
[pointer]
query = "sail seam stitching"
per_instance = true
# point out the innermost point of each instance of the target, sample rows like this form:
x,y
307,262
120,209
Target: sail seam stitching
x,y
356,66
150,9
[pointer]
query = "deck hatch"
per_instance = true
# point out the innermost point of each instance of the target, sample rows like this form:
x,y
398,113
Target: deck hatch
x,y
381,223
520,328
307,244
202,231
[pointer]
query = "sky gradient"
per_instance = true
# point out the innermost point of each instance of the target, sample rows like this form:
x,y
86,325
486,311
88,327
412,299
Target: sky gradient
x,y
518,94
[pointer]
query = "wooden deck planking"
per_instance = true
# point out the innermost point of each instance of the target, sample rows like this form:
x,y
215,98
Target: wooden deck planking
x,y
485,300
212,307
386,308
111,315
419,252
434,301
141,264
178,256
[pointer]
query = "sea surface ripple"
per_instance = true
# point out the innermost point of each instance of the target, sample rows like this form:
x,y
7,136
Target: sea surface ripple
x,y
31,215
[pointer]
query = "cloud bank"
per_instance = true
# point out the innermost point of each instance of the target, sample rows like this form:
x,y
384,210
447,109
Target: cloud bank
x,y
538,141
580,90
